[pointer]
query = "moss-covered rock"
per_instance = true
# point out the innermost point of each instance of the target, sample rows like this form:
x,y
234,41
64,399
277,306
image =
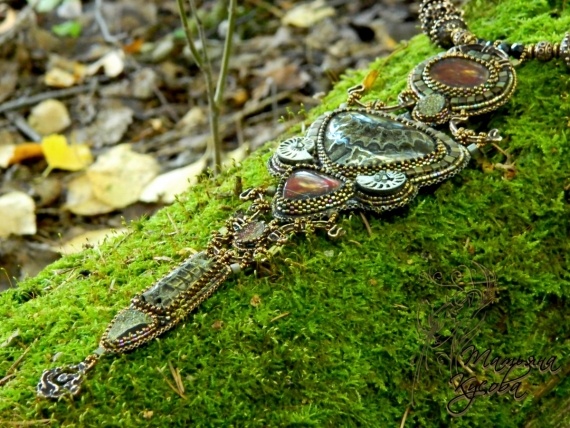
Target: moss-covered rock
x,y
334,338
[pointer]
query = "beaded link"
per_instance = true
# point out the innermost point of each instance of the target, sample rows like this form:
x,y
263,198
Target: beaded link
x,y
564,50
440,20
443,23
544,51
444,28
463,37
433,10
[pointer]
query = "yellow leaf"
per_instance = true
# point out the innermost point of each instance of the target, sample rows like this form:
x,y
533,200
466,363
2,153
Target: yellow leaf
x,y
59,154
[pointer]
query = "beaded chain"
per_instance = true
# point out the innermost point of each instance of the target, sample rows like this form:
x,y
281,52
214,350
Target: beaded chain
x,y
361,156
443,23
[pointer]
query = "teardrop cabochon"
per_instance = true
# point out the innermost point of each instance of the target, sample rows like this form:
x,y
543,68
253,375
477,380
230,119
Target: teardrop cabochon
x,y
309,192
474,79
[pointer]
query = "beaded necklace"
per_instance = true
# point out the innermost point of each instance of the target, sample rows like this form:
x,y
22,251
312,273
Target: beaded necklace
x,y
361,156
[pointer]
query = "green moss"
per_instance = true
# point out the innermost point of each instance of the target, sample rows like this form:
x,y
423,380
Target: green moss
x,y
343,356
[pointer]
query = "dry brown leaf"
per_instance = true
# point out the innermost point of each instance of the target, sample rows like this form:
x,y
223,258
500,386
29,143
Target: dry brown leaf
x,y
9,21
63,72
26,151
218,325
8,78
113,120
81,200
282,74
92,238
192,119
119,176
144,83
167,186
307,14
17,211
134,47
58,78
49,117
113,64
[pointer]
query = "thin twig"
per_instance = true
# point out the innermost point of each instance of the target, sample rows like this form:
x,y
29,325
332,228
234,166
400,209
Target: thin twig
x,y
6,378
159,94
366,224
2,269
273,87
189,38
26,423
34,99
227,123
405,417
19,122
16,363
173,224
169,110
177,378
179,388
221,86
465,367
552,383
215,143
103,24
268,7
278,317
214,93
25,18
203,37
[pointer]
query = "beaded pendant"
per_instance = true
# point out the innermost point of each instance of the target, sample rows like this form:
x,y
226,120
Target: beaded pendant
x,y
360,156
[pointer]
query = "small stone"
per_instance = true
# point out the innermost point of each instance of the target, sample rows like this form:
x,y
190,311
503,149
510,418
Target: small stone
x,y
431,105
252,232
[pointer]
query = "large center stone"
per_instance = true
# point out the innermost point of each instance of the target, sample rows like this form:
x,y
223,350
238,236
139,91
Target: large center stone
x,y
355,138
459,72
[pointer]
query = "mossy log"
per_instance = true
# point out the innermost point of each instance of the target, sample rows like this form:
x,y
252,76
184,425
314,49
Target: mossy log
x,y
332,337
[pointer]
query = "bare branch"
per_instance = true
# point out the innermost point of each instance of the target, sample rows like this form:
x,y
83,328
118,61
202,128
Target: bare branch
x,y
188,33
221,86
214,92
